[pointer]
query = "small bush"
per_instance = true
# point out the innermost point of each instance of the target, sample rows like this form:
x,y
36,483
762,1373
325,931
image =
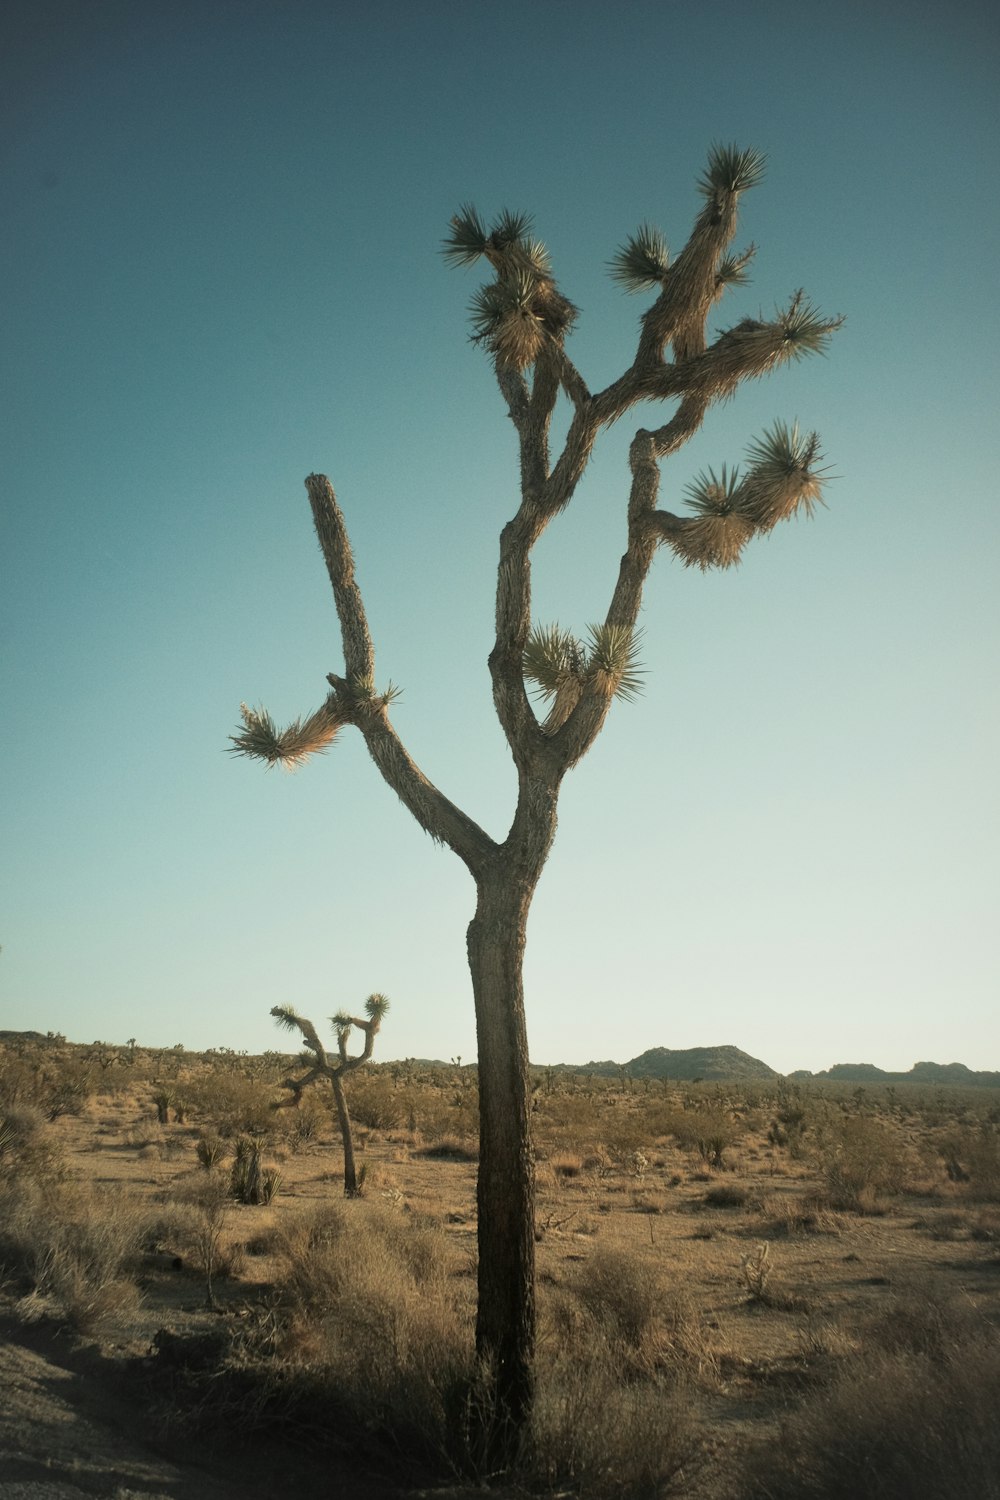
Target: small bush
x,y
375,1104
727,1195
913,1415
862,1160
73,1247
367,1304
597,1432
622,1293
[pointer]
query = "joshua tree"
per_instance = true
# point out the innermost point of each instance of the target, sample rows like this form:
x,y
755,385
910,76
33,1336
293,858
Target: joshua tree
x,y
521,320
320,1066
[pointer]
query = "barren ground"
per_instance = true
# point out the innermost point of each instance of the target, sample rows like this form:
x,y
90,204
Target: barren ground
x,y
78,1420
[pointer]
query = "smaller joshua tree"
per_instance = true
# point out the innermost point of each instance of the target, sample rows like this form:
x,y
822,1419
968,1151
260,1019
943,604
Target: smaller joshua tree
x,y
319,1065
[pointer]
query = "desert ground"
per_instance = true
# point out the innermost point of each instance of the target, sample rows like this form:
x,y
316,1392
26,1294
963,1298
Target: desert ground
x,y
745,1289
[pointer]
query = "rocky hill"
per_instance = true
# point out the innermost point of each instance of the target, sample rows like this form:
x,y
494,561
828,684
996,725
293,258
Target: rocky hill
x,y
950,1074
686,1063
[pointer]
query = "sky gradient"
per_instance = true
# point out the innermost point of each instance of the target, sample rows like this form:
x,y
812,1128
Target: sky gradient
x,y
222,266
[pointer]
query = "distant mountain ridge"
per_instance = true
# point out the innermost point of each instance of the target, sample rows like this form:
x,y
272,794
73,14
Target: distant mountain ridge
x,y
953,1074
687,1063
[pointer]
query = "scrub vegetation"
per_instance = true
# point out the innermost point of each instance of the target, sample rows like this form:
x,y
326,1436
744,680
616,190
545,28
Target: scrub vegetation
x,y
747,1291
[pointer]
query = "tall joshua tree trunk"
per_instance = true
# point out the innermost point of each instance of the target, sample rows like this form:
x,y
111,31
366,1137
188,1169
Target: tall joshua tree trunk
x,y
522,319
505,1322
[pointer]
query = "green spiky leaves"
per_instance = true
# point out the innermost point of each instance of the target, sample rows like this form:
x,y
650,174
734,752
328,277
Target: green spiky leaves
x,y
717,533
614,661
732,269
782,477
376,1006
560,666
552,658
522,311
642,262
804,329
467,238
260,738
731,170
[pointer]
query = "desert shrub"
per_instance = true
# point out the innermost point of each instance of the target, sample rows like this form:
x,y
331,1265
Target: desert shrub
x,y
72,1246
451,1148
366,1303
302,1124
971,1156
231,1102
862,1160
913,1415
708,1130
197,1230
597,1432
727,1195
375,1104
621,1292
25,1148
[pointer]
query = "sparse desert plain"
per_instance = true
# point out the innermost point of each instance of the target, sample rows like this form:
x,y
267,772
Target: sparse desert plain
x,y
757,1289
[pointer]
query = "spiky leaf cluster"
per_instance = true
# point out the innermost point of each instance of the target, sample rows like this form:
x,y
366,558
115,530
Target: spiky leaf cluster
x,y
614,661
783,475
260,738
804,329
522,310
376,1006
642,262
732,269
781,478
362,690
731,170
753,348
555,661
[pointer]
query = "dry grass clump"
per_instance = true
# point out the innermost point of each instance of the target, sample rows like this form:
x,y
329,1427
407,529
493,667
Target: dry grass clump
x,y
912,1414
71,1248
368,1304
597,1432
727,1195
450,1148
971,1157
615,1412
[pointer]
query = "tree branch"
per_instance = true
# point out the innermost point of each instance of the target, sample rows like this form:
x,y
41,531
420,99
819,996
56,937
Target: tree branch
x,y
437,815
359,656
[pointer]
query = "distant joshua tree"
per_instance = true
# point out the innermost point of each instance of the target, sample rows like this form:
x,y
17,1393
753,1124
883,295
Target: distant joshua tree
x,y
320,1066
521,319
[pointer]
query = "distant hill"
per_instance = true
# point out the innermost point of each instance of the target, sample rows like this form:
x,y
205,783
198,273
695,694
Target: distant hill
x,y
709,1063
950,1074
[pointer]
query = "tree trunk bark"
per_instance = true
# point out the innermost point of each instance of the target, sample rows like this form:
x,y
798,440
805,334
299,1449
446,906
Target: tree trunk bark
x,y
505,1324
350,1175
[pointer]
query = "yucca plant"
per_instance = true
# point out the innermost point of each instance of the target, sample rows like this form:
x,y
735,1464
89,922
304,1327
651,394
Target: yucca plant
x,y
249,1180
522,320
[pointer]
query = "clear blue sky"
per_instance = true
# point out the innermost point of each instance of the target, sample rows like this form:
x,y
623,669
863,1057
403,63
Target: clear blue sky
x,y
222,272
